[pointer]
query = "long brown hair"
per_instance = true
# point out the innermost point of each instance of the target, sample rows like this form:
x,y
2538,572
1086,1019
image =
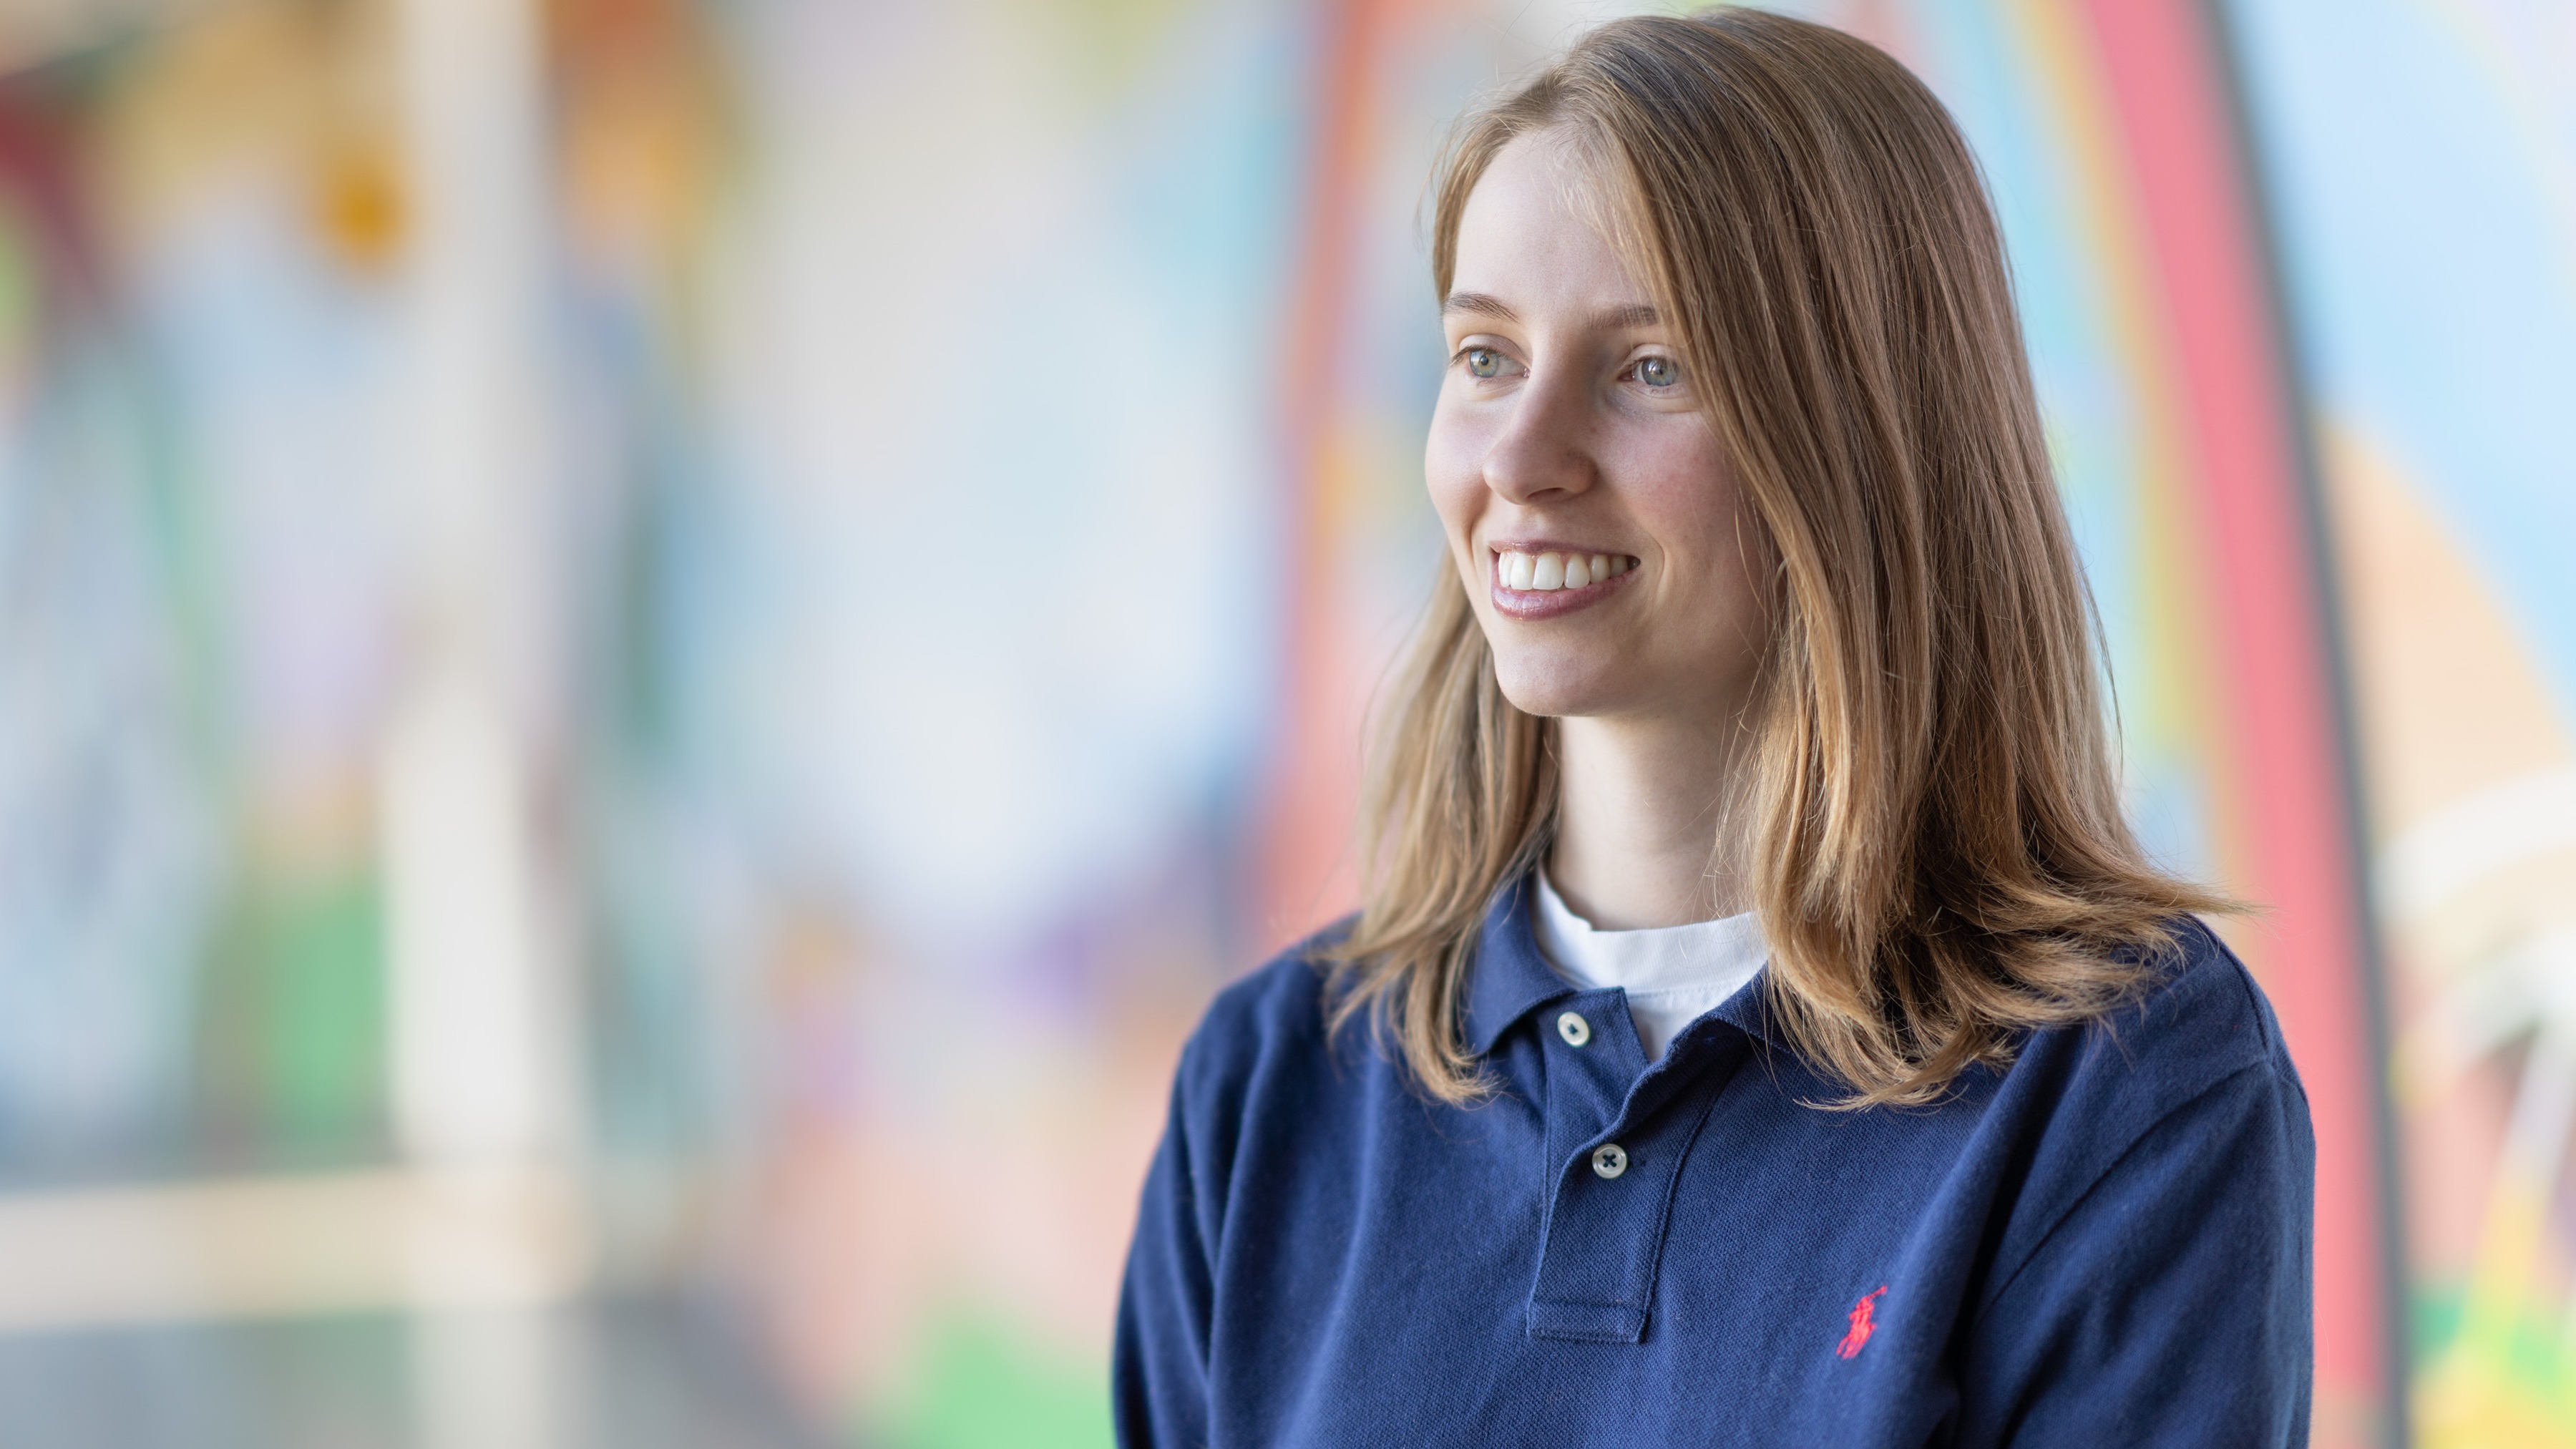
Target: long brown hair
x,y
1935,842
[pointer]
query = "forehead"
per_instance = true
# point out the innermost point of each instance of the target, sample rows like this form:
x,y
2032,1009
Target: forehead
x,y
1536,231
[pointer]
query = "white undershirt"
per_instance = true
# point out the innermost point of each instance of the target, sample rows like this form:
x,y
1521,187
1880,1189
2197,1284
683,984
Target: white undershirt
x,y
1673,974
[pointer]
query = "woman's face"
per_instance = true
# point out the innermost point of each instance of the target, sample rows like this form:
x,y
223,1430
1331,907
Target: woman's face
x,y
1566,446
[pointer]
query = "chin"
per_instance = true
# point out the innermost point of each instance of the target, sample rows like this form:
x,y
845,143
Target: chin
x,y
1552,686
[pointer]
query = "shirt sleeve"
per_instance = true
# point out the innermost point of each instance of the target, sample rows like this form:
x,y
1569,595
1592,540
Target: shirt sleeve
x,y
2172,1304
1159,1366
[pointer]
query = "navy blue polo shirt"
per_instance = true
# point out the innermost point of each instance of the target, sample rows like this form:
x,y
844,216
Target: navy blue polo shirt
x,y
2106,1244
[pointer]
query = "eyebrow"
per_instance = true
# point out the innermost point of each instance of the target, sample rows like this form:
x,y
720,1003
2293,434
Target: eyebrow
x,y
1478,303
1636,314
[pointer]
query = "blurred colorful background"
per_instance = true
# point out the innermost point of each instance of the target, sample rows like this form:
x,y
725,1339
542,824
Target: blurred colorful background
x,y
652,653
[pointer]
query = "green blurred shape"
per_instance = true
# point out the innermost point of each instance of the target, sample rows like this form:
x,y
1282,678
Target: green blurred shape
x,y
987,1384
2440,1310
295,1022
18,297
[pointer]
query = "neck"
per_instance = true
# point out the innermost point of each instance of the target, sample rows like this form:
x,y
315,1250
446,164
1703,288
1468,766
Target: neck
x,y
1640,811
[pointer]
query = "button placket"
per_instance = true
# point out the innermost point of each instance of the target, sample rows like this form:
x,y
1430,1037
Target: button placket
x,y
1587,1081
1611,1193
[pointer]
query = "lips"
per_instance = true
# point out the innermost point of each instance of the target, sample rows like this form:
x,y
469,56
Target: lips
x,y
1533,581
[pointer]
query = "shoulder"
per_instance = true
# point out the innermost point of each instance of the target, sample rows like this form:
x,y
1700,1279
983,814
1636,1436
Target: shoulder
x,y
2198,1021
2197,1049
1265,1027
2180,1106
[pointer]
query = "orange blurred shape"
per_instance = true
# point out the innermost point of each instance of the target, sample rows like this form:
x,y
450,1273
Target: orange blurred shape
x,y
357,205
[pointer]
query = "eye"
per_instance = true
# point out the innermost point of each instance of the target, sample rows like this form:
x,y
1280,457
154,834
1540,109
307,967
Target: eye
x,y
1657,372
1482,362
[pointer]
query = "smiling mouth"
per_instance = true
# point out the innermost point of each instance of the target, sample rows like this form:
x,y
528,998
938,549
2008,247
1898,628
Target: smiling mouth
x,y
1551,583
1547,573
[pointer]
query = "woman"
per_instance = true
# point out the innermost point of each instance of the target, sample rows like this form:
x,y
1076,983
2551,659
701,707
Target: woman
x,y
1761,1026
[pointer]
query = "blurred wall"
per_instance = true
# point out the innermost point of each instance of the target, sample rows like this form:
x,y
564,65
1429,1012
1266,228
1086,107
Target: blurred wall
x,y
652,653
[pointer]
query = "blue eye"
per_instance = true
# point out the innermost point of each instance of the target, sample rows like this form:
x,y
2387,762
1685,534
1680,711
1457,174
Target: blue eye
x,y
1483,362
1658,372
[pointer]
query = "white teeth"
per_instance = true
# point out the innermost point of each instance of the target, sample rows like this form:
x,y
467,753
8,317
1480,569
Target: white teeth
x,y
1547,572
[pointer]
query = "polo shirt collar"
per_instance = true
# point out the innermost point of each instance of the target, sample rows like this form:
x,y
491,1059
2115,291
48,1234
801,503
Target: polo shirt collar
x,y
1509,978
1749,1009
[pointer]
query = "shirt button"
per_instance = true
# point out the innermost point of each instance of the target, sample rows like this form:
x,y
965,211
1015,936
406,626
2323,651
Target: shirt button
x,y
1609,1160
1574,1029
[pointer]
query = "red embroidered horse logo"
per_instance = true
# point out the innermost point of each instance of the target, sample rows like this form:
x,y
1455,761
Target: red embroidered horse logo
x,y
1864,1322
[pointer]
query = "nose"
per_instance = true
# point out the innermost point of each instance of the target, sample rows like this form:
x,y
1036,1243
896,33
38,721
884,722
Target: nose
x,y
1543,453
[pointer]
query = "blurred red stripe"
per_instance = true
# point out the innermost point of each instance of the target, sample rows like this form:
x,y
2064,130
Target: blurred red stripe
x,y
2284,783
1302,866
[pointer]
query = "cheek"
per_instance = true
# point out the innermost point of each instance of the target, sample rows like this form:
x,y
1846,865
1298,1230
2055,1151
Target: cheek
x,y
1683,496
1453,470
1677,487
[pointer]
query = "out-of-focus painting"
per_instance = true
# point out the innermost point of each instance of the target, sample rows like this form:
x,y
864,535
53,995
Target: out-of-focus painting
x,y
2422,165
653,652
